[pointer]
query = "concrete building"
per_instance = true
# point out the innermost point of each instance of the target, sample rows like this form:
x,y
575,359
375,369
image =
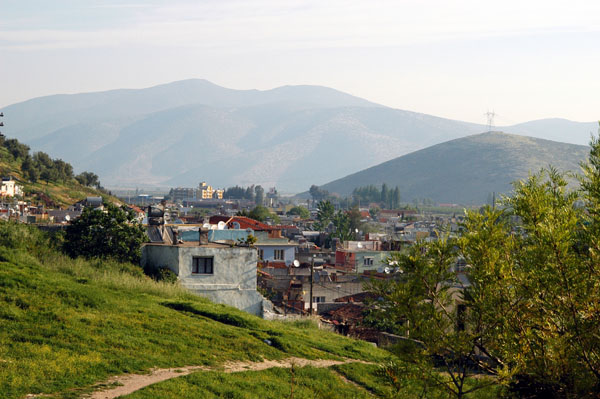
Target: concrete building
x,y
223,273
360,260
10,188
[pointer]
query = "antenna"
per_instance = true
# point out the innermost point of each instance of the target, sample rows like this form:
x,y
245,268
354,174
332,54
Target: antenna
x,y
490,115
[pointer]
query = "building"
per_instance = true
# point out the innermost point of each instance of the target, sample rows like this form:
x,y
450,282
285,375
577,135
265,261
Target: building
x,y
207,192
225,274
10,188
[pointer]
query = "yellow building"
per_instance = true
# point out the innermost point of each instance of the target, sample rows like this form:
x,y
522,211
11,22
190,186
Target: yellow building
x,y
207,192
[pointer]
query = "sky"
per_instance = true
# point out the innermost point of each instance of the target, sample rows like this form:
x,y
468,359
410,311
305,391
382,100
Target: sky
x,y
523,59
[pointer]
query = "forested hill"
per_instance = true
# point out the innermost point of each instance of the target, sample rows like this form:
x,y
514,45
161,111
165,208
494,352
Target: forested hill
x,y
465,170
46,181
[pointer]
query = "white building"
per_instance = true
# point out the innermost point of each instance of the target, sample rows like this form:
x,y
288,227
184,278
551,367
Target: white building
x,y
10,188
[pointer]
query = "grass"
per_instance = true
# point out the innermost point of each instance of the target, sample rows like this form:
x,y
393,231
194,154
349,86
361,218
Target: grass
x,y
68,324
276,383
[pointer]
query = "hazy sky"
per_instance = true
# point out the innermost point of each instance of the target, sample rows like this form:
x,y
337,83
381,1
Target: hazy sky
x,y
524,59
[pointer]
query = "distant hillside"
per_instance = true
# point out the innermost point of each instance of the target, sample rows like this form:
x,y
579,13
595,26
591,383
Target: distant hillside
x,y
466,170
181,133
189,131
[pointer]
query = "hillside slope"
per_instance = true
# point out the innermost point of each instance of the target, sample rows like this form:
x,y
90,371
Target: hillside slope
x,y
70,324
181,133
466,170
189,131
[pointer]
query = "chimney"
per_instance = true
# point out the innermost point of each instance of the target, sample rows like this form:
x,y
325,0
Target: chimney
x,y
203,236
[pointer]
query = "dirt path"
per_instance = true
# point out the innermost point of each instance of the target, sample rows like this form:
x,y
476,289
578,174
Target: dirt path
x,y
132,382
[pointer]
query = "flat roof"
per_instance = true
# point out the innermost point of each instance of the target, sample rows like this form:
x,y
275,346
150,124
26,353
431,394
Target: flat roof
x,y
191,244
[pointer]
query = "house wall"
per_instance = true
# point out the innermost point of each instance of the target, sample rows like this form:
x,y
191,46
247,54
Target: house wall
x,y
379,260
233,281
330,290
289,253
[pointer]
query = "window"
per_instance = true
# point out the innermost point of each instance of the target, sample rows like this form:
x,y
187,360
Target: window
x,y
368,261
278,254
202,265
318,299
261,254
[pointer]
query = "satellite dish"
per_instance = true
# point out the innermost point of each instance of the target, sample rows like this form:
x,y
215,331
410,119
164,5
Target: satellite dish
x,y
67,218
359,245
296,263
206,226
386,270
213,227
221,225
380,270
236,225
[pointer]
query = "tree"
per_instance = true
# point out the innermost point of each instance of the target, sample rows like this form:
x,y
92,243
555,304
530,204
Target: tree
x,y
529,313
420,303
260,195
261,214
17,150
88,179
112,233
325,212
317,193
395,198
354,220
341,222
385,195
299,211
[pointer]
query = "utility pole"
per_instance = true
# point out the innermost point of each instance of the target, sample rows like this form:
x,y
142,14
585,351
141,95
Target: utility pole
x,y
490,115
312,270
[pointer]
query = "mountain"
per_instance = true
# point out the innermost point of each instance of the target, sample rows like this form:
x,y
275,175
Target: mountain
x,y
181,133
466,170
556,129
189,131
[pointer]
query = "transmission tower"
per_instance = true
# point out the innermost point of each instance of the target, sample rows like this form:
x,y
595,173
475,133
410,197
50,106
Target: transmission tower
x,y
490,120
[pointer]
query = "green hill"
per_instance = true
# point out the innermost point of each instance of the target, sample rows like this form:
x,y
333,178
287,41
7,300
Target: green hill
x,y
466,170
68,325
52,187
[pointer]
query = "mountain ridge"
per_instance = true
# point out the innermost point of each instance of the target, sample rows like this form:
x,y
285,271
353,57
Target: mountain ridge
x,y
184,132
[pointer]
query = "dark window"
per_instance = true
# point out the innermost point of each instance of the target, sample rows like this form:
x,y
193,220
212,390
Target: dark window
x,y
278,254
202,265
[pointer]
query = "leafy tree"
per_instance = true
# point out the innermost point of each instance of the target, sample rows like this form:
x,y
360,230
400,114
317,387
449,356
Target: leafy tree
x,y
30,170
420,303
16,149
395,200
529,312
341,224
261,213
299,211
260,195
112,233
385,195
354,217
325,213
88,179
317,193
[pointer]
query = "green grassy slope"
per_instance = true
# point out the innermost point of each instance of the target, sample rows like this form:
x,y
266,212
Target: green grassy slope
x,y
276,383
66,324
466,170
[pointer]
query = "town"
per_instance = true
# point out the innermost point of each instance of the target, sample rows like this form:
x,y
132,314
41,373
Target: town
x,y
271,268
